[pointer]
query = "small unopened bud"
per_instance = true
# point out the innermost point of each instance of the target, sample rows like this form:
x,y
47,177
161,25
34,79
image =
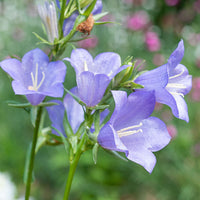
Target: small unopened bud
x,y
47,12
86,26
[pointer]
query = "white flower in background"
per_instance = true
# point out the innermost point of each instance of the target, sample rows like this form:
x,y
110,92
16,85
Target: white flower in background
x,y
47,12
7,187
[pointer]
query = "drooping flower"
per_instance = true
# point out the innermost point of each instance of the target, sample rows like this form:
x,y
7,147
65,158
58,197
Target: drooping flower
x,y
75,114
94,75
132,130
47,12
170,83
35,76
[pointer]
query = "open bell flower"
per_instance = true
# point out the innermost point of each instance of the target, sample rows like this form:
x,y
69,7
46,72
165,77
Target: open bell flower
x,y
94,75
170,82
75,114
35,76
132,130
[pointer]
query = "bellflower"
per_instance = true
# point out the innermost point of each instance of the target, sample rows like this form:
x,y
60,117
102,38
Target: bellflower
x,y
170,82
132,130
94,75
47,12
69,22
35,76
74,111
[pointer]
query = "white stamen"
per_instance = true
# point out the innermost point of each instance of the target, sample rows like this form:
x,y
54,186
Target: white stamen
x,y
176,85
177,75
35,87
127,131
177,93
85,66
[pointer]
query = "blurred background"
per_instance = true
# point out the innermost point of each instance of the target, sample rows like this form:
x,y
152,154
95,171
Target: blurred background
x,y
150,31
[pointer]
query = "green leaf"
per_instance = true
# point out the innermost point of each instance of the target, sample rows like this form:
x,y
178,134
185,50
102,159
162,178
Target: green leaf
x,y
46,104
95,152
42,39
116,154
28,155
90,8
99,16
100,23
18,105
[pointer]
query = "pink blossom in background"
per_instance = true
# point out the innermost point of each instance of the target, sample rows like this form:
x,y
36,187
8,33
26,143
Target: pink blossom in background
x,y
198,62
172,130
152,41
89,43
167,115
171,2
195,92
139,64
138,21
158,59
196,6
158,106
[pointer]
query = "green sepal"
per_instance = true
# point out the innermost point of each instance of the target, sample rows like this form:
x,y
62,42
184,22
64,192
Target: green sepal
x,y
140,73
97,121
33,114
64,140
108,22
95,152
90,8
67,127
100,107
131,85
43,41
99,16
47,104
73,140
116,154
28,155
18,105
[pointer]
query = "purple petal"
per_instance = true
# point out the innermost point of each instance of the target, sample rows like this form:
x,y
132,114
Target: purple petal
x,y
155,134
143,157
35,99
81,60
181,107
74,110
91,87
107,63
97,8
177,55
69,23
179,80
56,115
12,67
109,139
154,79
138,106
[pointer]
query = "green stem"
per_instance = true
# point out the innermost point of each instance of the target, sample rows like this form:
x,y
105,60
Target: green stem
x,y
32,156
61,20
72,168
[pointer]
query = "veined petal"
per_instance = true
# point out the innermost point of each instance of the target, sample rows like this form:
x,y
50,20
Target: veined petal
x,y
154,79
176,56
81,60
74,110
138,106
91,87
106,63
109,139
56,115
179,80
155,134
12,67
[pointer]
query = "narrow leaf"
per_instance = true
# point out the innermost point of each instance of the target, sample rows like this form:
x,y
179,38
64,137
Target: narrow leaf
x,y
90,8
95,152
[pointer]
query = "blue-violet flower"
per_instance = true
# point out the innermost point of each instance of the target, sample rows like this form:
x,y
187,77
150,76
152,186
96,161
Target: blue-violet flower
x,y
35,76
132,130
170,83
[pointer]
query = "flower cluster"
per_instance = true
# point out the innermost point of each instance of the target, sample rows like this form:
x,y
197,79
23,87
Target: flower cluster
x,y
112,104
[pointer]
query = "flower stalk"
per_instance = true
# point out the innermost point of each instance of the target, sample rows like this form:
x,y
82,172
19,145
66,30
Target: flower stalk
x,y
32,156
